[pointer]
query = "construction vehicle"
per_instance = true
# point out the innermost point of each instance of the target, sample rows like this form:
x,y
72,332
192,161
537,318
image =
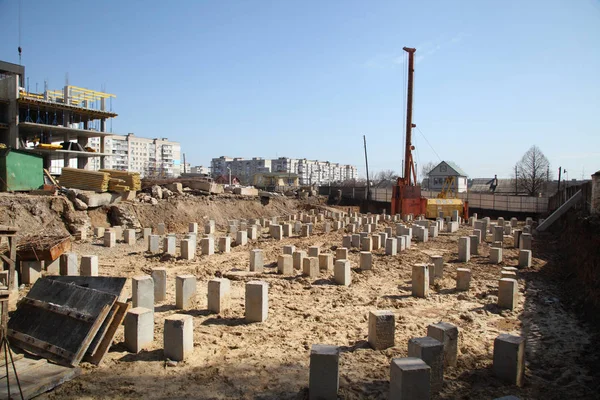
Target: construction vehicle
x,y
406,194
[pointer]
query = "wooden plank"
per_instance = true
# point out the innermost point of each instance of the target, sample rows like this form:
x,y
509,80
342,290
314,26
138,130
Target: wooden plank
x,y
72,335
107,284
102,331
66,311
22,337
106,342
36,377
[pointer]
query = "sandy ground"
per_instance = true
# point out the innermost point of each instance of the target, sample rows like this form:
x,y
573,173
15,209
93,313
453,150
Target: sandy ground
x,y
233,359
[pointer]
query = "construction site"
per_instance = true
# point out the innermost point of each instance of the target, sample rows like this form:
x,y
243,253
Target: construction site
x,y
133,279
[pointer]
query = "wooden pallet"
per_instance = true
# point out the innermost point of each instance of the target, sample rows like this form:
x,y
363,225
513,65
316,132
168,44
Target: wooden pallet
x,y
35,375
59,321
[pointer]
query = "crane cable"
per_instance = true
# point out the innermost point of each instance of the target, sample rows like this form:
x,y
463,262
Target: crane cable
x,y
435,152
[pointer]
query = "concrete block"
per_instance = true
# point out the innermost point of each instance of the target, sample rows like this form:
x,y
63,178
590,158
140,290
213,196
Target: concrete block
x,y
225,244
313,251
185,291
356,240
257,260
305,232
431,351
129,236
169,245
447,334
524,258
110,238
324,372
289,249
219,295
341,273
433,231
161,229
508,274
528,221
438,266
209,229
297,227
68,264
508,293
498,233
382,238
187,248
464,249
285,264
298,257
376,241
509,358
341,253
409,379
390,247
496,255
286,230
517,238
326,262
31,271
463,278
525,241
241,238
401,243
366,260
139,329
327,227
99,232
153,244
178,337
507,229
347,241
366,244
421,234
474,245
89,265
420,280
159,276
310,267
389,232
276,232
514,222
382,328
407,241
142,288
207,246
452,226
252,233
257,301
146,234
232,229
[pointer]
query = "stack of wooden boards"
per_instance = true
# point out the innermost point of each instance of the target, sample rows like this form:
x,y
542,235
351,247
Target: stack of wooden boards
x,y
131,179
84,179
66,319
100,181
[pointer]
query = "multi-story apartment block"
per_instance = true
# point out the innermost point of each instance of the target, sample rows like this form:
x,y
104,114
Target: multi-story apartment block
x,y
308,171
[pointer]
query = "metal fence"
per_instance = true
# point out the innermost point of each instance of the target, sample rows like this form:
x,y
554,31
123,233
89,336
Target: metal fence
x,y
476,200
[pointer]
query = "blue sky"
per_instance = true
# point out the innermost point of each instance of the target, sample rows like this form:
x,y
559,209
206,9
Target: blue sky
x,y
309,78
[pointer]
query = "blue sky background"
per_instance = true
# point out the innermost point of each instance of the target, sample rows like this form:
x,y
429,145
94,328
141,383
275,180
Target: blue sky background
x,y
309,78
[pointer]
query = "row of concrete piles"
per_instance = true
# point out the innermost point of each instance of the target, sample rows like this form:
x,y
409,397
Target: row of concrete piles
x,y
178,330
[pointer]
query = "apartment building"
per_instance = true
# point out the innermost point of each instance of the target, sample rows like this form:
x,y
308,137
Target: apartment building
x,y
308,171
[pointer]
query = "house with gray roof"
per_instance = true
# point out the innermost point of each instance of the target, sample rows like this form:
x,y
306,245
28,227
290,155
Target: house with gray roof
x,y
437,176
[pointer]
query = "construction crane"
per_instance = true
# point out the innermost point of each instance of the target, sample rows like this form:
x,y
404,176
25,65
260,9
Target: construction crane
x,y
406,194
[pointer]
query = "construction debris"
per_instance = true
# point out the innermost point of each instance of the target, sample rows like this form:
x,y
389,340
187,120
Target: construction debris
x,y
130,179
84,179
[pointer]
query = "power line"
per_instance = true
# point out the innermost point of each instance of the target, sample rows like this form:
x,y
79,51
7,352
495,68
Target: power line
x,y
438,156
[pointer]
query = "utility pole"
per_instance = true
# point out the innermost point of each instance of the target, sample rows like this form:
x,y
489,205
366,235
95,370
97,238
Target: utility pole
x,y
516,180
409,101
367,165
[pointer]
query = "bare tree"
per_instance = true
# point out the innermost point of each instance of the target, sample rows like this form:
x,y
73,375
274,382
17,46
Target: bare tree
x,y
426,168
532,171
385,175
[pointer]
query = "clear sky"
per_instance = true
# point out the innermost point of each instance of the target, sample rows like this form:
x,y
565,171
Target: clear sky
x,y
309,78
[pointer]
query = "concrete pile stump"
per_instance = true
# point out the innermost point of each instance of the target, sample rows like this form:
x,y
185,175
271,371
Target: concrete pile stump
x,y
341,273
324,372
153,244
142,288
447,334
185,291
525,241
252,233
276,232
438,266
193,227
139,329
289,249
310,267
409,379
187,248
496,255
390,247
509,359
524,258
161,229
89,266
431,351
219,295
366,244
313,251
257,260
169,246
178,337
464,249
241,238
382,329
129,235
463,279
420,280
225,244
285,264
298,259
68,264
356,240
207,246
341,253
508,293
366,260
474,245
110,238
257,301
31,271
159,277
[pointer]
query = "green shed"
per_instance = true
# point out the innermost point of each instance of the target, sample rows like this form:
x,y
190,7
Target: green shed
x,y
20,170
